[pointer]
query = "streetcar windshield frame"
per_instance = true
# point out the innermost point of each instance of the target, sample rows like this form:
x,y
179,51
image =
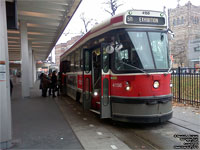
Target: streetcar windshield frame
x,y
141,50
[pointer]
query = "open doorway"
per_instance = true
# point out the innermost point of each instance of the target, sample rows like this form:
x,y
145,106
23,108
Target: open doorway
x,y
96,78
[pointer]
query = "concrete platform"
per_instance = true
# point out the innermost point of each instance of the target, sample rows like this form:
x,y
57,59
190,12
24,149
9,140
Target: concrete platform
x,y
39,124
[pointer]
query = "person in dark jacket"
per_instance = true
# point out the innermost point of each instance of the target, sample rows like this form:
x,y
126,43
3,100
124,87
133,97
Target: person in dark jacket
x,y
41,78
59,84
50,89
45,85
54,82
11,87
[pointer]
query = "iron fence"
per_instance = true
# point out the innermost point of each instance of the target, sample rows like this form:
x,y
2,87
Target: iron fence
x,y
186,85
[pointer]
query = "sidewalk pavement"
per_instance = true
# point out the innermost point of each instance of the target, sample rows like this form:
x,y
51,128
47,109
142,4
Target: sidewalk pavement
x,y
38,123
186,116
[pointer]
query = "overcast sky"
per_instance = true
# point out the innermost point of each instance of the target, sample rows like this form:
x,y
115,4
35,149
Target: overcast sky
x,y
94,9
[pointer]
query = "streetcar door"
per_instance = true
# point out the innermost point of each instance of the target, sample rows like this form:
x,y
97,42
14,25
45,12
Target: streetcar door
x,y
86,79
105,88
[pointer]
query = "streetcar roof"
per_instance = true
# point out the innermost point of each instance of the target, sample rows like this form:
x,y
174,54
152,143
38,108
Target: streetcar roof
x,y
119,21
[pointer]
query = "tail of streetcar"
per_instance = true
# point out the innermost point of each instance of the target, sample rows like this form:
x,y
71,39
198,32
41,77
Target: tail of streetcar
x,y
121,68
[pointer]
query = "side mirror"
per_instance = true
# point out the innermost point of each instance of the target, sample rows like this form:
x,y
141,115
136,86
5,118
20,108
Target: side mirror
x,y
170,34
118,47
109,49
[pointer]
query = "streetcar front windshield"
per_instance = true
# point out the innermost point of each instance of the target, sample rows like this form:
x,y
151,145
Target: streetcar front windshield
x,y
142,50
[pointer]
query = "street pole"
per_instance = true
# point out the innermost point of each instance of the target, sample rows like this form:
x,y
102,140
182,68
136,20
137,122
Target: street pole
x,y
199,61
5,104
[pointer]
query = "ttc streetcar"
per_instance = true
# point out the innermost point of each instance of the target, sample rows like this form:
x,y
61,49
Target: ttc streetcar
x,y
120,69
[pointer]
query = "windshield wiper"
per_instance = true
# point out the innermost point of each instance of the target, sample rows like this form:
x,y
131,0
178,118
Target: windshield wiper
x,y
136,68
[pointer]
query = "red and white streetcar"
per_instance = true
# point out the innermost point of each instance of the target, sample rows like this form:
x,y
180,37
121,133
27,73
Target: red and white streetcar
x,y
120,68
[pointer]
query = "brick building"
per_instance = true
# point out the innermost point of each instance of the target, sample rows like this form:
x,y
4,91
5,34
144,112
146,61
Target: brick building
x,y
59,49
62,47
184,21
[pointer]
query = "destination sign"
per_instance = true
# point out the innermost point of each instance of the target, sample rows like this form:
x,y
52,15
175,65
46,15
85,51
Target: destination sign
x,y
145,20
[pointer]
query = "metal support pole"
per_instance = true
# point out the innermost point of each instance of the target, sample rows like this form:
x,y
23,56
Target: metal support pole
x,y
34,69
25,60
5,106
30,64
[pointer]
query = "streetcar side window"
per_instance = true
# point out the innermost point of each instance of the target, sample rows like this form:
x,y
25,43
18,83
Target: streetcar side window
x,y
87,61
65,66
77,60
68,64
72,62
81,59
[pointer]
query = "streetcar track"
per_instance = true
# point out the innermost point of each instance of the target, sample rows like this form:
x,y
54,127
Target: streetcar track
x,y
183,127
124,131
127,132
147,142
186,121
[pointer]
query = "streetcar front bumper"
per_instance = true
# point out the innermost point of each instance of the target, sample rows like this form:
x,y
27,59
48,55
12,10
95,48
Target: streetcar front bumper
x,y
142,110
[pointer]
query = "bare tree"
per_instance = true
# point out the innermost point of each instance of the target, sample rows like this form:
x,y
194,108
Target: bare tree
x,y
113,6
67,33
87,23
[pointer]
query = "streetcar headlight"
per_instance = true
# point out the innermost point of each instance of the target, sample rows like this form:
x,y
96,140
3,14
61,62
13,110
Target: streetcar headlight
x,y
156,84
127,86
95,93
171,85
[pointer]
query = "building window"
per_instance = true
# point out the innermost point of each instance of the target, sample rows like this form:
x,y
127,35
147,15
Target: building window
x,y
197,49
182,20
178,21
174,22
197,20
192,19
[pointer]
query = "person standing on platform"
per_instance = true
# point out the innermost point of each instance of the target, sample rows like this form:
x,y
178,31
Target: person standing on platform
x,y
59,89
45,85
50,85
41,78
11,87
54,82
